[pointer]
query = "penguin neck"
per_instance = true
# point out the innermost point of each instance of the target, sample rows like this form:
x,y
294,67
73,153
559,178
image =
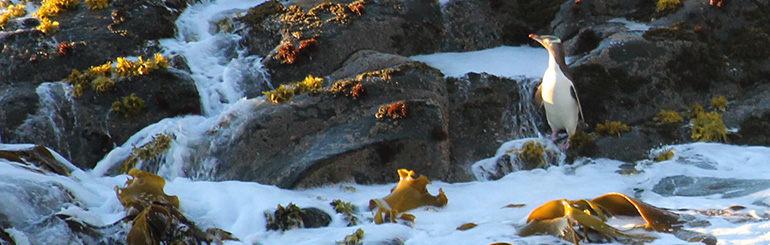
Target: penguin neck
x,y
557,63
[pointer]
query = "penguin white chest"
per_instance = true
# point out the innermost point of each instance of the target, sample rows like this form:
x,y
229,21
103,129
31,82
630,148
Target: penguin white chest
x,y
561,108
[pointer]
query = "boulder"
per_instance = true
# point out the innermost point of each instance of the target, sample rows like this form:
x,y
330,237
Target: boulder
x,y
297,41
85,129
322,138
472,25
485,111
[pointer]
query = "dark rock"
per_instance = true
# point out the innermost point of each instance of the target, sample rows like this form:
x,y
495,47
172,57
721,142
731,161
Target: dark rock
x,y
681,185
85,129
755,130
473,25
484,112
317,139
314,218
395,27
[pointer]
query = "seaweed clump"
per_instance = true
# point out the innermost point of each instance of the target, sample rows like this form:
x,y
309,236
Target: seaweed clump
x,y
668,123
708,126
155,215
560,217
159,144
100,77
611,128
665,116
668,5
532,153
130,106
410,193
664,155
10,12
288,54
97,4
285,218
583,144
347,209
284,93
395,110
719,103
50,8
353,239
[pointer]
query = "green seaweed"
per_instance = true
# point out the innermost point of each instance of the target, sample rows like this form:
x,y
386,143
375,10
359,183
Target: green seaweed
x,y
159,144
129,106
611,128
719,103
665,116
664,155
285,93
347,209
708,126
285,218
353,239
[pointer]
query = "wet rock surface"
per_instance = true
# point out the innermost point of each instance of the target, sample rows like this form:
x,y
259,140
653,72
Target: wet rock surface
x,y
681,185
321,138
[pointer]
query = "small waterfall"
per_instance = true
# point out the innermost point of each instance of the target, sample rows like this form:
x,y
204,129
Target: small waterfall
x,y
48,117
527,117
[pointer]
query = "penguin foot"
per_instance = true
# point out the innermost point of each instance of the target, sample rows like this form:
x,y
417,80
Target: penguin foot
x,y
564,146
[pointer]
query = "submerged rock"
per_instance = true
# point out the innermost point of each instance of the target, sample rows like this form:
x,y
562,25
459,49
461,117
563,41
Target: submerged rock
x,y
681,185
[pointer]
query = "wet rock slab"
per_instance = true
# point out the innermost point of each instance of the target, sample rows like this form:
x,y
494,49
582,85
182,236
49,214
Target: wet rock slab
x,y
680,185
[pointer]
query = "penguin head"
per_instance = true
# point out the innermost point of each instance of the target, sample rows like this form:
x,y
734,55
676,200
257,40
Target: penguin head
x,y
547,41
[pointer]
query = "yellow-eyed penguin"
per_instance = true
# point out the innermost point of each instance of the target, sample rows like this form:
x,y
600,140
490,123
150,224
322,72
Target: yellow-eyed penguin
x,y
556,91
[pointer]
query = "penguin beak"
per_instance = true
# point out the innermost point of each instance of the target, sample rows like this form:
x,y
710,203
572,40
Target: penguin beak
x,y
536,38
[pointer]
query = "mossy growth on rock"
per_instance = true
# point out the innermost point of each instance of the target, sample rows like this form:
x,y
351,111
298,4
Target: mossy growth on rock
x,y
394,111
668,5
353,239
347,209
10,12
708,126
696,67
350,88
285,218
532,153
97,4
102,84
583,144
694,109
129,106
47,26
49,8
749,43
288,54
611,128
719,103
284,93
100,77
754,130
666,116
664,155
158,146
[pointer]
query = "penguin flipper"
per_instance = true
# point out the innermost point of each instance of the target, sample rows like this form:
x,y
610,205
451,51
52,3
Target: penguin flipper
x,y
575,96
539,96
